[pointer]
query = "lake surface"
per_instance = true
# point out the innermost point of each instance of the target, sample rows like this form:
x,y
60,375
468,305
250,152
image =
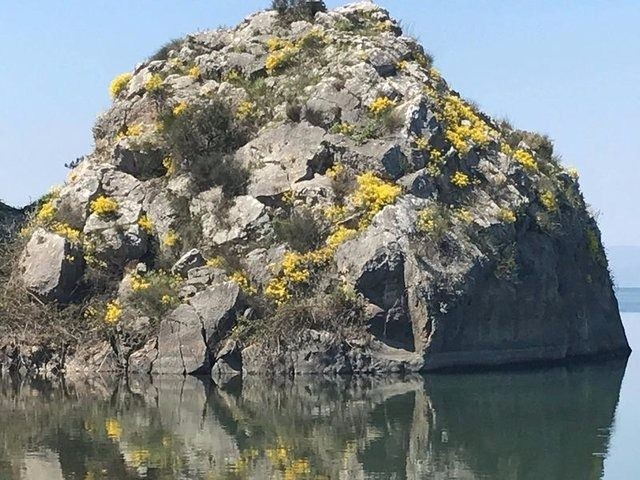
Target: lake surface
x,y
579,422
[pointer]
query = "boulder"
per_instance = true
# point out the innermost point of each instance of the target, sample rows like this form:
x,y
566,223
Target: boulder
x,y
51,266
190,260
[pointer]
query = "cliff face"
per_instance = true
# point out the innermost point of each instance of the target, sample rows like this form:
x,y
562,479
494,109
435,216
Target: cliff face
x,y
325,202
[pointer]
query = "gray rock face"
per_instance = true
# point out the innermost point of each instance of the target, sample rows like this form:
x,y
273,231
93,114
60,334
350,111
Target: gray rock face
x,y
189,338
190,260
51,266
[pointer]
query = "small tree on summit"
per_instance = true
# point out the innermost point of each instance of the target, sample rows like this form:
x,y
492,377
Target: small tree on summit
x,y
298,9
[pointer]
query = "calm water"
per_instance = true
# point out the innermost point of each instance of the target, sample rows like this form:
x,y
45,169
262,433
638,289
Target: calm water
x,y
570,423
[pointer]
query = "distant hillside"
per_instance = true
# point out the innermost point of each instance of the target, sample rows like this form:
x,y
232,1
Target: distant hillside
x,y
10,218
625,265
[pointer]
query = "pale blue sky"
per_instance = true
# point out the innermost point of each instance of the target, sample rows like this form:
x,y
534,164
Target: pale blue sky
x,y
570,69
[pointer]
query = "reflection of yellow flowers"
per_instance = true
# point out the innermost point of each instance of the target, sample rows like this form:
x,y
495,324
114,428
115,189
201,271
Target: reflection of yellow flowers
x,y
113,428
139,457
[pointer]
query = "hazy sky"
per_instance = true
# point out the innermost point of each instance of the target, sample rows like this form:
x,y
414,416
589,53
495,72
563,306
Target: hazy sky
x,y
570,69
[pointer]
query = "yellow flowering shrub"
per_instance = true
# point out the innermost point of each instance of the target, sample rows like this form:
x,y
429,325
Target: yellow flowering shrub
x,y
154,293
113,312
463,215
154,83
463,127
46,212
245,110
179,108
241,279
426,222
421,59
335,213
373,194
118,84
574,174
133,130
170,165
278,291
460,180
507,216
281,58
343,128
525,159
66,231
402,65
335,170
139,283
341,235
506,149
214,262
274,44
104,206
548,200
195,72
145,223
381,105
421,143
170,239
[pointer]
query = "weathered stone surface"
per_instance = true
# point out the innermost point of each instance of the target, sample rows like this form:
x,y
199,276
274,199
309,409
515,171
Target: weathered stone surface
x,y
51,266
246,217
190,260
189,337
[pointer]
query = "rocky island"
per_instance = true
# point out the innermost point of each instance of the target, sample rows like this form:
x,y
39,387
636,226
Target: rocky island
x,y
305,194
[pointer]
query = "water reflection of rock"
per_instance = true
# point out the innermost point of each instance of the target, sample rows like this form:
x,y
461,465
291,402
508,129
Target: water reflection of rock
x,y
517,425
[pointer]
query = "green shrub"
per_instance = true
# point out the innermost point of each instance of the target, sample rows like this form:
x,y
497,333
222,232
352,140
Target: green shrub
x,y
292,10
202,139
302,231
165,50
155,293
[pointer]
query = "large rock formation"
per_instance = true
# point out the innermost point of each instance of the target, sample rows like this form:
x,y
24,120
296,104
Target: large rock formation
x,y
355,214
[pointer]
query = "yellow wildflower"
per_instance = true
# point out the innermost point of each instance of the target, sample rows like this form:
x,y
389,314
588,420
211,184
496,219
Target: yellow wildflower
x,y
195,72
381,105
113,312
154,83
525,159
374,194
548,200
104,206
118,84
507,216
460,180
170,239
46,212
179,109
245,109
145,223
